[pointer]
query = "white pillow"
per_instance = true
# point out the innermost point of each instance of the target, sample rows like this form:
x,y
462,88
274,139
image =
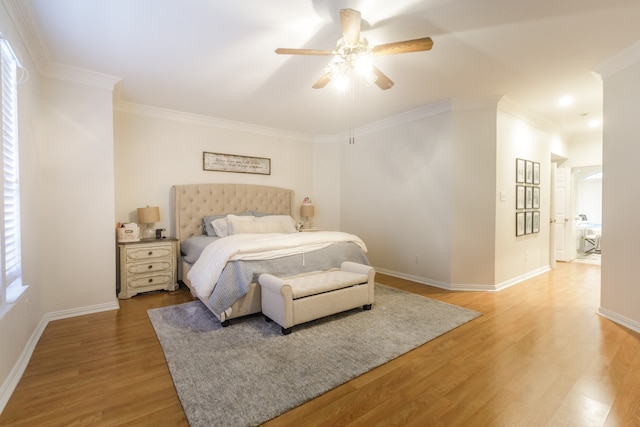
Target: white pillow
x,y
254,227
221,225
287,223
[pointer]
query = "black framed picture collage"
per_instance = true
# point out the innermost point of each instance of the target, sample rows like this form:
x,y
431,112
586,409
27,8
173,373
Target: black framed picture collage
x,y
527,197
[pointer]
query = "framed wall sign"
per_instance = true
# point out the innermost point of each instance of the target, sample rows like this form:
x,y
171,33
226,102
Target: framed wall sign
x,y
528,222
520,170
536,173
528,197
220,162
519,196
519,223
528,172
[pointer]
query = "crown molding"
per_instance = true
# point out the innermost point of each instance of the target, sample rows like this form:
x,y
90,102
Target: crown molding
x,y
498,102
508,106
620,61
406,117
25,22
202,120
80,75
476,103
389,122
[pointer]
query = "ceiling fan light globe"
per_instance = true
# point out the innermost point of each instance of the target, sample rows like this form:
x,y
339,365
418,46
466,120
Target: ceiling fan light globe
x,y
363,64
340,82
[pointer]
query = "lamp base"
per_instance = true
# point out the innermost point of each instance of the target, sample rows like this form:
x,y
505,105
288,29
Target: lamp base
x,y
148,233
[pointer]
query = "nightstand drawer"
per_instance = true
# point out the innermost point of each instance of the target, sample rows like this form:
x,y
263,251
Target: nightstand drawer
x,y
152,280
150,252
148,267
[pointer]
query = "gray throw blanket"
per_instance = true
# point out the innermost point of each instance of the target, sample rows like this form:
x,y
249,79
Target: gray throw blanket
x,y
238,275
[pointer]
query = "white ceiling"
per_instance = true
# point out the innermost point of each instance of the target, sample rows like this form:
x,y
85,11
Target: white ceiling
x,y
216,58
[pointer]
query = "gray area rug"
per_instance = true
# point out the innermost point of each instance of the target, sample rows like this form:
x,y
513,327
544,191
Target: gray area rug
x,y
248,373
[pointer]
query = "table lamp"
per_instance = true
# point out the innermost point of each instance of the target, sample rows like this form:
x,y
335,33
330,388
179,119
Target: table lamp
x,y
148,216
307,211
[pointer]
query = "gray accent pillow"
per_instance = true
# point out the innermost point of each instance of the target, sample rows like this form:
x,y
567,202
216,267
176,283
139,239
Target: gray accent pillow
x,y
207,228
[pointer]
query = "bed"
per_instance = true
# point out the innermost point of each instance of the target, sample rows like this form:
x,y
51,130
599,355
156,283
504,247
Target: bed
x,y
222,271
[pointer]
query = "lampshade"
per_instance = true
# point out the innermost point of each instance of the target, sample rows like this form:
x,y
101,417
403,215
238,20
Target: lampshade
x,y
306,210
148,215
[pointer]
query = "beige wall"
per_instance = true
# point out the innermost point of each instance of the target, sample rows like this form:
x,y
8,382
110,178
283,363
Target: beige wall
x,y
425,195
76,190
584,152
155,149
519,138
473,193
326,184
395,192
620,293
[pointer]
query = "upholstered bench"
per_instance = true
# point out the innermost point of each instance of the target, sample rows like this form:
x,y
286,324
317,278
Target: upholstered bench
x,y
290,301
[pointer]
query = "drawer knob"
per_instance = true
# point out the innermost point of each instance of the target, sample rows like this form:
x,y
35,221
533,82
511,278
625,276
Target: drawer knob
x,y
150,280
150,253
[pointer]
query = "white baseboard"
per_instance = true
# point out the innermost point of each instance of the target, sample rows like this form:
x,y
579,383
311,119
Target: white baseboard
x,y
416,279
619,319
81,311
466,286
9,385
522,278
11,382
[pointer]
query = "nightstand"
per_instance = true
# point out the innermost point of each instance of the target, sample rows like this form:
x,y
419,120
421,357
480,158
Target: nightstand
x,y
147,265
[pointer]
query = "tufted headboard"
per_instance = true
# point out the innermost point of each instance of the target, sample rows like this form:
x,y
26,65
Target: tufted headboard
x,y
191,202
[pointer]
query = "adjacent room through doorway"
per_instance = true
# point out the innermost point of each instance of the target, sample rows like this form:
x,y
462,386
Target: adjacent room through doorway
x,y
587,196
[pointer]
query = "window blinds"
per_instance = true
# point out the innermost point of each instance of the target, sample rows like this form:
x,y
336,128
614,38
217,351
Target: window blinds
x,y
10,254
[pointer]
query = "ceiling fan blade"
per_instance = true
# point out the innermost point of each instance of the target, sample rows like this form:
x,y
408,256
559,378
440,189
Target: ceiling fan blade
x,y
416,45
287,51
350,26
382,81
322,82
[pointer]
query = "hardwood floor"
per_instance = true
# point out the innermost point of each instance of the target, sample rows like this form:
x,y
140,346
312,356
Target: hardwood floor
x,y
538,356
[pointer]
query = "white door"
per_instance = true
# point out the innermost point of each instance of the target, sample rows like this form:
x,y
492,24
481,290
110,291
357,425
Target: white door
x,y
563,225
552,216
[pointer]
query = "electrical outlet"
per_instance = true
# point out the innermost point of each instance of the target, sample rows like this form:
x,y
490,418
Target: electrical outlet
x,y
526,256
417,259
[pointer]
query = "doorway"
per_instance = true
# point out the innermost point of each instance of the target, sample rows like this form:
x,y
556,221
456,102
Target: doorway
x,y
587,207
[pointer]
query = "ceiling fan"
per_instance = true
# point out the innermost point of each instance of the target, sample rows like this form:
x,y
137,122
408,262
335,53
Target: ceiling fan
x,y
354,53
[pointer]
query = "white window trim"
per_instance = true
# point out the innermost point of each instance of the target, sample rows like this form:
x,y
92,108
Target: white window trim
x,y
11,287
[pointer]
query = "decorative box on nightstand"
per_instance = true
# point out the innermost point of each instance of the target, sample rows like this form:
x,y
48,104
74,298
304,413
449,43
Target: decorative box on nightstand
x,y
147,265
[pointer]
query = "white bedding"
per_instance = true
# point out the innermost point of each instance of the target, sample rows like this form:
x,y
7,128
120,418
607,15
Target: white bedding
x,y
205,272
